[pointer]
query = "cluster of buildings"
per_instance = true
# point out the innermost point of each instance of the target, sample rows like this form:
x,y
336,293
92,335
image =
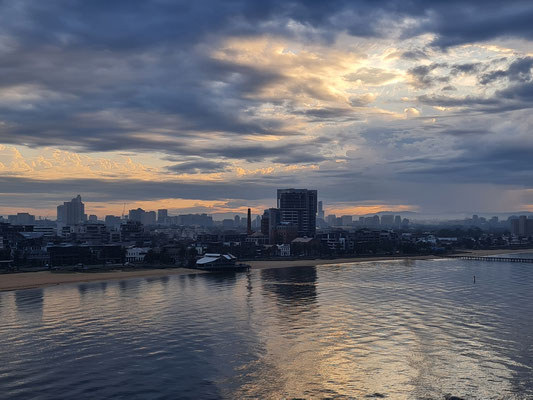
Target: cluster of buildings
x,y
386,221
522,226
296,227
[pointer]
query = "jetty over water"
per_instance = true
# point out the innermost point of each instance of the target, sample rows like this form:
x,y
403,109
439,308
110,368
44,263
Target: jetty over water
x,y
495,259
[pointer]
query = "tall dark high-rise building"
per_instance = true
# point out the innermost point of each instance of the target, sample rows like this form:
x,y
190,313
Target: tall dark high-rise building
x,y
299,207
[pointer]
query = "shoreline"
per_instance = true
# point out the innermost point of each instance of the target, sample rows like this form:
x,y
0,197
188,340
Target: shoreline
x,y
32,280
315,262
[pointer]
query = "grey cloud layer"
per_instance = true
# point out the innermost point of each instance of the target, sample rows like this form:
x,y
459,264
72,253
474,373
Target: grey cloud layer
x,y
144,62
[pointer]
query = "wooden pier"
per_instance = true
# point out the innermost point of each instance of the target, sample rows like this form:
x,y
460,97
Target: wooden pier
x,y
494,259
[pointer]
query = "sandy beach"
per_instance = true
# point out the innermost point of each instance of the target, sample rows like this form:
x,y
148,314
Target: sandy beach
x,y
28,280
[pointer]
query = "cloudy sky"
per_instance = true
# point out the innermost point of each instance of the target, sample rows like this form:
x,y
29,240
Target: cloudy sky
x,y
209,106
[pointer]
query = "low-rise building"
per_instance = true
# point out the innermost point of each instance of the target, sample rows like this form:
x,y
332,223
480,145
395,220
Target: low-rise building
x,y
211,260
136,254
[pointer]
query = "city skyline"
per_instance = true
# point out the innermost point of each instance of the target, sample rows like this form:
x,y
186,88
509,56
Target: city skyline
x,y
209,108
300,205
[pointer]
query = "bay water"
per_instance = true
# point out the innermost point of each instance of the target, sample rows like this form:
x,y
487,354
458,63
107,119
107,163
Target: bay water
x,y
400,329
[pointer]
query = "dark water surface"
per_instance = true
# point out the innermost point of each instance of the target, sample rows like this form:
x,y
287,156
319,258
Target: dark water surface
x,y
394,329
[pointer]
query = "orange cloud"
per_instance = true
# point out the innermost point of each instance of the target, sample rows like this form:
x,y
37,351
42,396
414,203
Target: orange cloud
x,y
369,209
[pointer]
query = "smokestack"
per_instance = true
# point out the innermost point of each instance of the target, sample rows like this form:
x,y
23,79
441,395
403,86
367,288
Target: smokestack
x,y
249,222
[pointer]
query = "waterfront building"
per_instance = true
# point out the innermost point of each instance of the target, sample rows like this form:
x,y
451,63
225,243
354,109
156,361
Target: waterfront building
x,y
136,254
285,232
283,250
522,226
271,219
299,207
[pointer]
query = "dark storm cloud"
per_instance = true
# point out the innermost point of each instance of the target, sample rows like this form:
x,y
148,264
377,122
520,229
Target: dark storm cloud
x,y
422,76
518,71
285,154
414,55
449,88
137,23
480,161
467,68
514,97
466,131
446,101
196,167
523,93
299,158
133,190
458,22
332,113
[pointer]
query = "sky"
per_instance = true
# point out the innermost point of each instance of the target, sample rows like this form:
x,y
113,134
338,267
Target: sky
x,y
210,106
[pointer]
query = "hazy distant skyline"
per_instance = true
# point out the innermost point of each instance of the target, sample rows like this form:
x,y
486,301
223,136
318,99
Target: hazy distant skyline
x,y
211,106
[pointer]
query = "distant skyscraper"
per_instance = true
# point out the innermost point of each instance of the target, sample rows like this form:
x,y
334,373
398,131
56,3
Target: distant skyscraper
x,y
320,210
71,212
144,217
136,215
299,207
524,226
237,221
387,221
346,220
162,215
113,222
149,218
397,221
228,223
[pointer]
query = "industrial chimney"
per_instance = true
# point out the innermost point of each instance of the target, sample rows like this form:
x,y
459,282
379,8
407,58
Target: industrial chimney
x,y
249,222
